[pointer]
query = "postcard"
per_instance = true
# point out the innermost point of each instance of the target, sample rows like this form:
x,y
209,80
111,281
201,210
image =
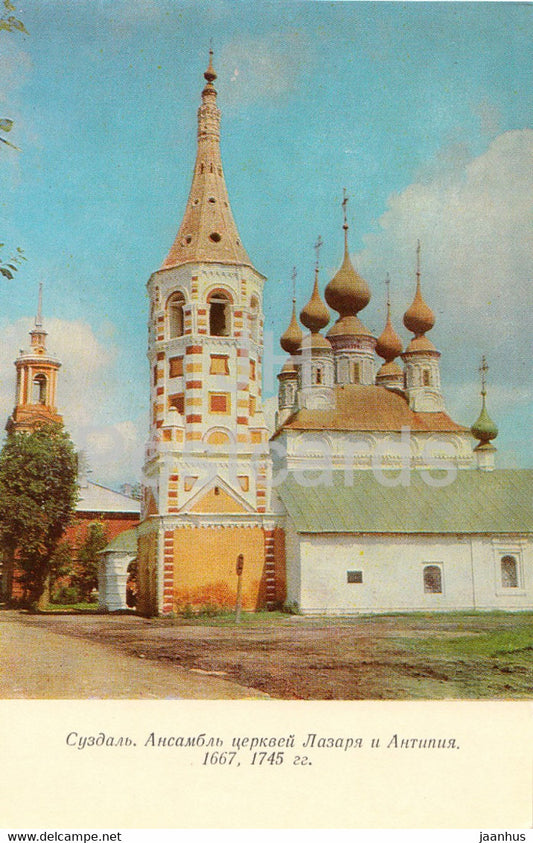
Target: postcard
x,y
265,486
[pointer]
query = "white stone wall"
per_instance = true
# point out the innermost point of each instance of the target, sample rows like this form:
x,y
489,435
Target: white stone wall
x,y
112,579
392,568
347,451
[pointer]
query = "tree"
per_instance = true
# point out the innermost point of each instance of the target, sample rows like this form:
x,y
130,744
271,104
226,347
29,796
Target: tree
x,y
86,576
7,268
38,493
10,23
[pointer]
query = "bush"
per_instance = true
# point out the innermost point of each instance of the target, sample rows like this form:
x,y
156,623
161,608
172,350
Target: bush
x,y
66,595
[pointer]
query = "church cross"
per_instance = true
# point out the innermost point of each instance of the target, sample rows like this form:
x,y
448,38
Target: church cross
x,y
483,369
344,204
318,245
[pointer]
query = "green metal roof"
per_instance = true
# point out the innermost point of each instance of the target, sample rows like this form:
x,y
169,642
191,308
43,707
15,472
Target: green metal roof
x,y
125,542
475,502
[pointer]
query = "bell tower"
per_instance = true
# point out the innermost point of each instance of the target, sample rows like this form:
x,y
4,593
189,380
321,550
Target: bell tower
x,y
35,395
207,467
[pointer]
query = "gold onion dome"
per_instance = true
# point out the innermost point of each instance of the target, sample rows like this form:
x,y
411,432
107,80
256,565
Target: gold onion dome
x,y
291,339
418,318
347,292
315,314
389,344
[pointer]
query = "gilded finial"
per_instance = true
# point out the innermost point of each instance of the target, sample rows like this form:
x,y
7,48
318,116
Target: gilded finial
x,y
210,74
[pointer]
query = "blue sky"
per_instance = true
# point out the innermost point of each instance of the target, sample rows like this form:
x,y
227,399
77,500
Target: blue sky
x,y
421,110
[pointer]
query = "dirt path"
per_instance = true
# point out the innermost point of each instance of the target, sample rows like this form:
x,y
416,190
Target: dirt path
x,y
39,664
433,656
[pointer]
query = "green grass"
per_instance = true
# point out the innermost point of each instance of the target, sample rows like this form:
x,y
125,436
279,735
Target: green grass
x,y
71,607
486,645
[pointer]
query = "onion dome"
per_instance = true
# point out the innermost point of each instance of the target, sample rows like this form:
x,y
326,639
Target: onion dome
x,y
484,428
315,314
347,292
419,318
291,339
389,344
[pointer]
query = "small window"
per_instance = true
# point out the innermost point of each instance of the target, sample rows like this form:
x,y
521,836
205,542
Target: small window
x,y
219,364
175,367
215,237
432,579
154,376
356,372
317,375
219,402
177,402
175,315
354,576
39,390
426,380
252,370
252,405
509,569
254,318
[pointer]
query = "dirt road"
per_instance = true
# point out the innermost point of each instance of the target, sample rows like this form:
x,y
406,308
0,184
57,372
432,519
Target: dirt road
x,y
36,663
425,656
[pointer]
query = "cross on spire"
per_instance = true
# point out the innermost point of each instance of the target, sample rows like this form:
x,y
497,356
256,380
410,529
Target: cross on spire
x,y
318,245
418,258
387,284
344,204
483,369
293,276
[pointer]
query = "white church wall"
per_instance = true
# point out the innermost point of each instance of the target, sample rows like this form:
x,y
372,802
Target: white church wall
x,y
404,573
293,567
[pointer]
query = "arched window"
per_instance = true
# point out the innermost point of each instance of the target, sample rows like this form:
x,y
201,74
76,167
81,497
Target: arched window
x,y
426,379
219,314
432,579
509,569
39,389
175,306
356,372
254,319
317,375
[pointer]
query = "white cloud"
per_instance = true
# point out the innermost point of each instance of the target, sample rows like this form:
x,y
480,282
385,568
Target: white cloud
x,y
89,397
265,67
474,222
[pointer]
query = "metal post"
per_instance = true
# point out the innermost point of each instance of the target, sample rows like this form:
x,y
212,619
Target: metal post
x,y
239,568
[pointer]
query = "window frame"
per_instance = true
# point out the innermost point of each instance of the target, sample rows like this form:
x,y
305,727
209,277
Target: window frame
x,y
438,566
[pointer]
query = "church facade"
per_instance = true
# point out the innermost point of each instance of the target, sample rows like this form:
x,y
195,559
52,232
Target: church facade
x,y
367,497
